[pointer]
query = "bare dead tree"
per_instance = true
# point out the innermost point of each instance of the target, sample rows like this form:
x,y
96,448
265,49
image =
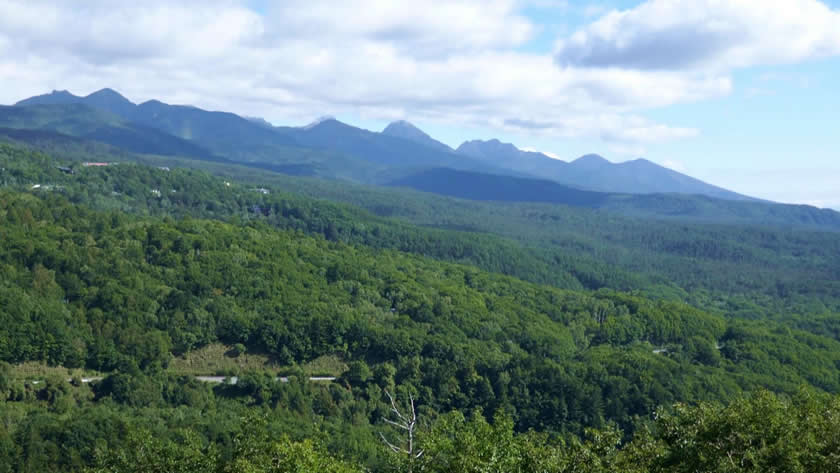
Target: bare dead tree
x,y
408,423
600,314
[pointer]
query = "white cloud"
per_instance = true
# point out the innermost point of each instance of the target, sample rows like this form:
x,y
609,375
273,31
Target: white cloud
x,y
432,28
704,34
443,61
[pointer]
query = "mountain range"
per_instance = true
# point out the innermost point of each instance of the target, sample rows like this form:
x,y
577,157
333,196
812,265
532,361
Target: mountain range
x,y
400,155
334,147
593,172
406,130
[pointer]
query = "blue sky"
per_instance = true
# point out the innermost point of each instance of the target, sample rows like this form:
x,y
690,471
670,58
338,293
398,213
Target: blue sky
x,y
776,135
738,93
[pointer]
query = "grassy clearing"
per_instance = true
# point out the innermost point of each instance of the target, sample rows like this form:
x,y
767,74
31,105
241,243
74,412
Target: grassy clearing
x,y
214,359
33,370
219,359
327,365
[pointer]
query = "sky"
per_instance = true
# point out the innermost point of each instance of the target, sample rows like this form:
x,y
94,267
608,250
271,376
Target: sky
x,y
739,93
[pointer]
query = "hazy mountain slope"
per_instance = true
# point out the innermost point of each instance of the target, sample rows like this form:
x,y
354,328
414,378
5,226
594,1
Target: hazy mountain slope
x,y
639,176
480,186
207,134
184,121
373,157
506,155
98,125
242,139
86,149
375,147
56,97
328,148
698,208
222,132
112,101
594,172
407,131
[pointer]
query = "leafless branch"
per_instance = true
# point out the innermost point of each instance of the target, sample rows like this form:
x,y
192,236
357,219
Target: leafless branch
x,y
393,447
407,422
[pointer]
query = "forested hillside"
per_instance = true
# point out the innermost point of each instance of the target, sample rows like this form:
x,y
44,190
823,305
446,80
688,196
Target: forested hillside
x,y
546,319
743,271
746,271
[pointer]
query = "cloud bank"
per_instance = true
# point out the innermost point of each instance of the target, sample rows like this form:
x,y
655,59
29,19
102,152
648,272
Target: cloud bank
x,y
459,62
716,35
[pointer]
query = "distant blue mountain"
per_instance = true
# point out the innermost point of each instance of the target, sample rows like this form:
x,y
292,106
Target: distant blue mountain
x,y
405,130
345,149
593,172
391,153
691,208
222,132
83,121
341,150
492,187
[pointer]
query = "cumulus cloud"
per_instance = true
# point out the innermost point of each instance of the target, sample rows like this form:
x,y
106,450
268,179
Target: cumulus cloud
x,y
453,62
717,34
432,28
612,128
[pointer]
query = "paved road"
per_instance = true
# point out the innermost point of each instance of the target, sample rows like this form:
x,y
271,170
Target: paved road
x,y
84,380
212,379
234,379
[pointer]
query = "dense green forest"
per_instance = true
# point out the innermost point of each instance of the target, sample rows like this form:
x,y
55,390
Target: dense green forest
x,y
744,271
517,334
188,428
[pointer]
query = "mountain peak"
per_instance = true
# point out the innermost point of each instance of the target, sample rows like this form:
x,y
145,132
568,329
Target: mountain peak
x,y
108,94
590,161
490,148
54,97
107,100
400,124
259,121
320,120
408,131
107,91
591,158
112,101
508,156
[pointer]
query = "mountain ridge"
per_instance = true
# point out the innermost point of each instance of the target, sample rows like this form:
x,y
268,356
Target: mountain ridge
x,y
407,130
398,148
594,172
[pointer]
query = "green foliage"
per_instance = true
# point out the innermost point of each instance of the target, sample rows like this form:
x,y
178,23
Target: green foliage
x,y
97,272
763,433
746,272
286,456
120,293
143,452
